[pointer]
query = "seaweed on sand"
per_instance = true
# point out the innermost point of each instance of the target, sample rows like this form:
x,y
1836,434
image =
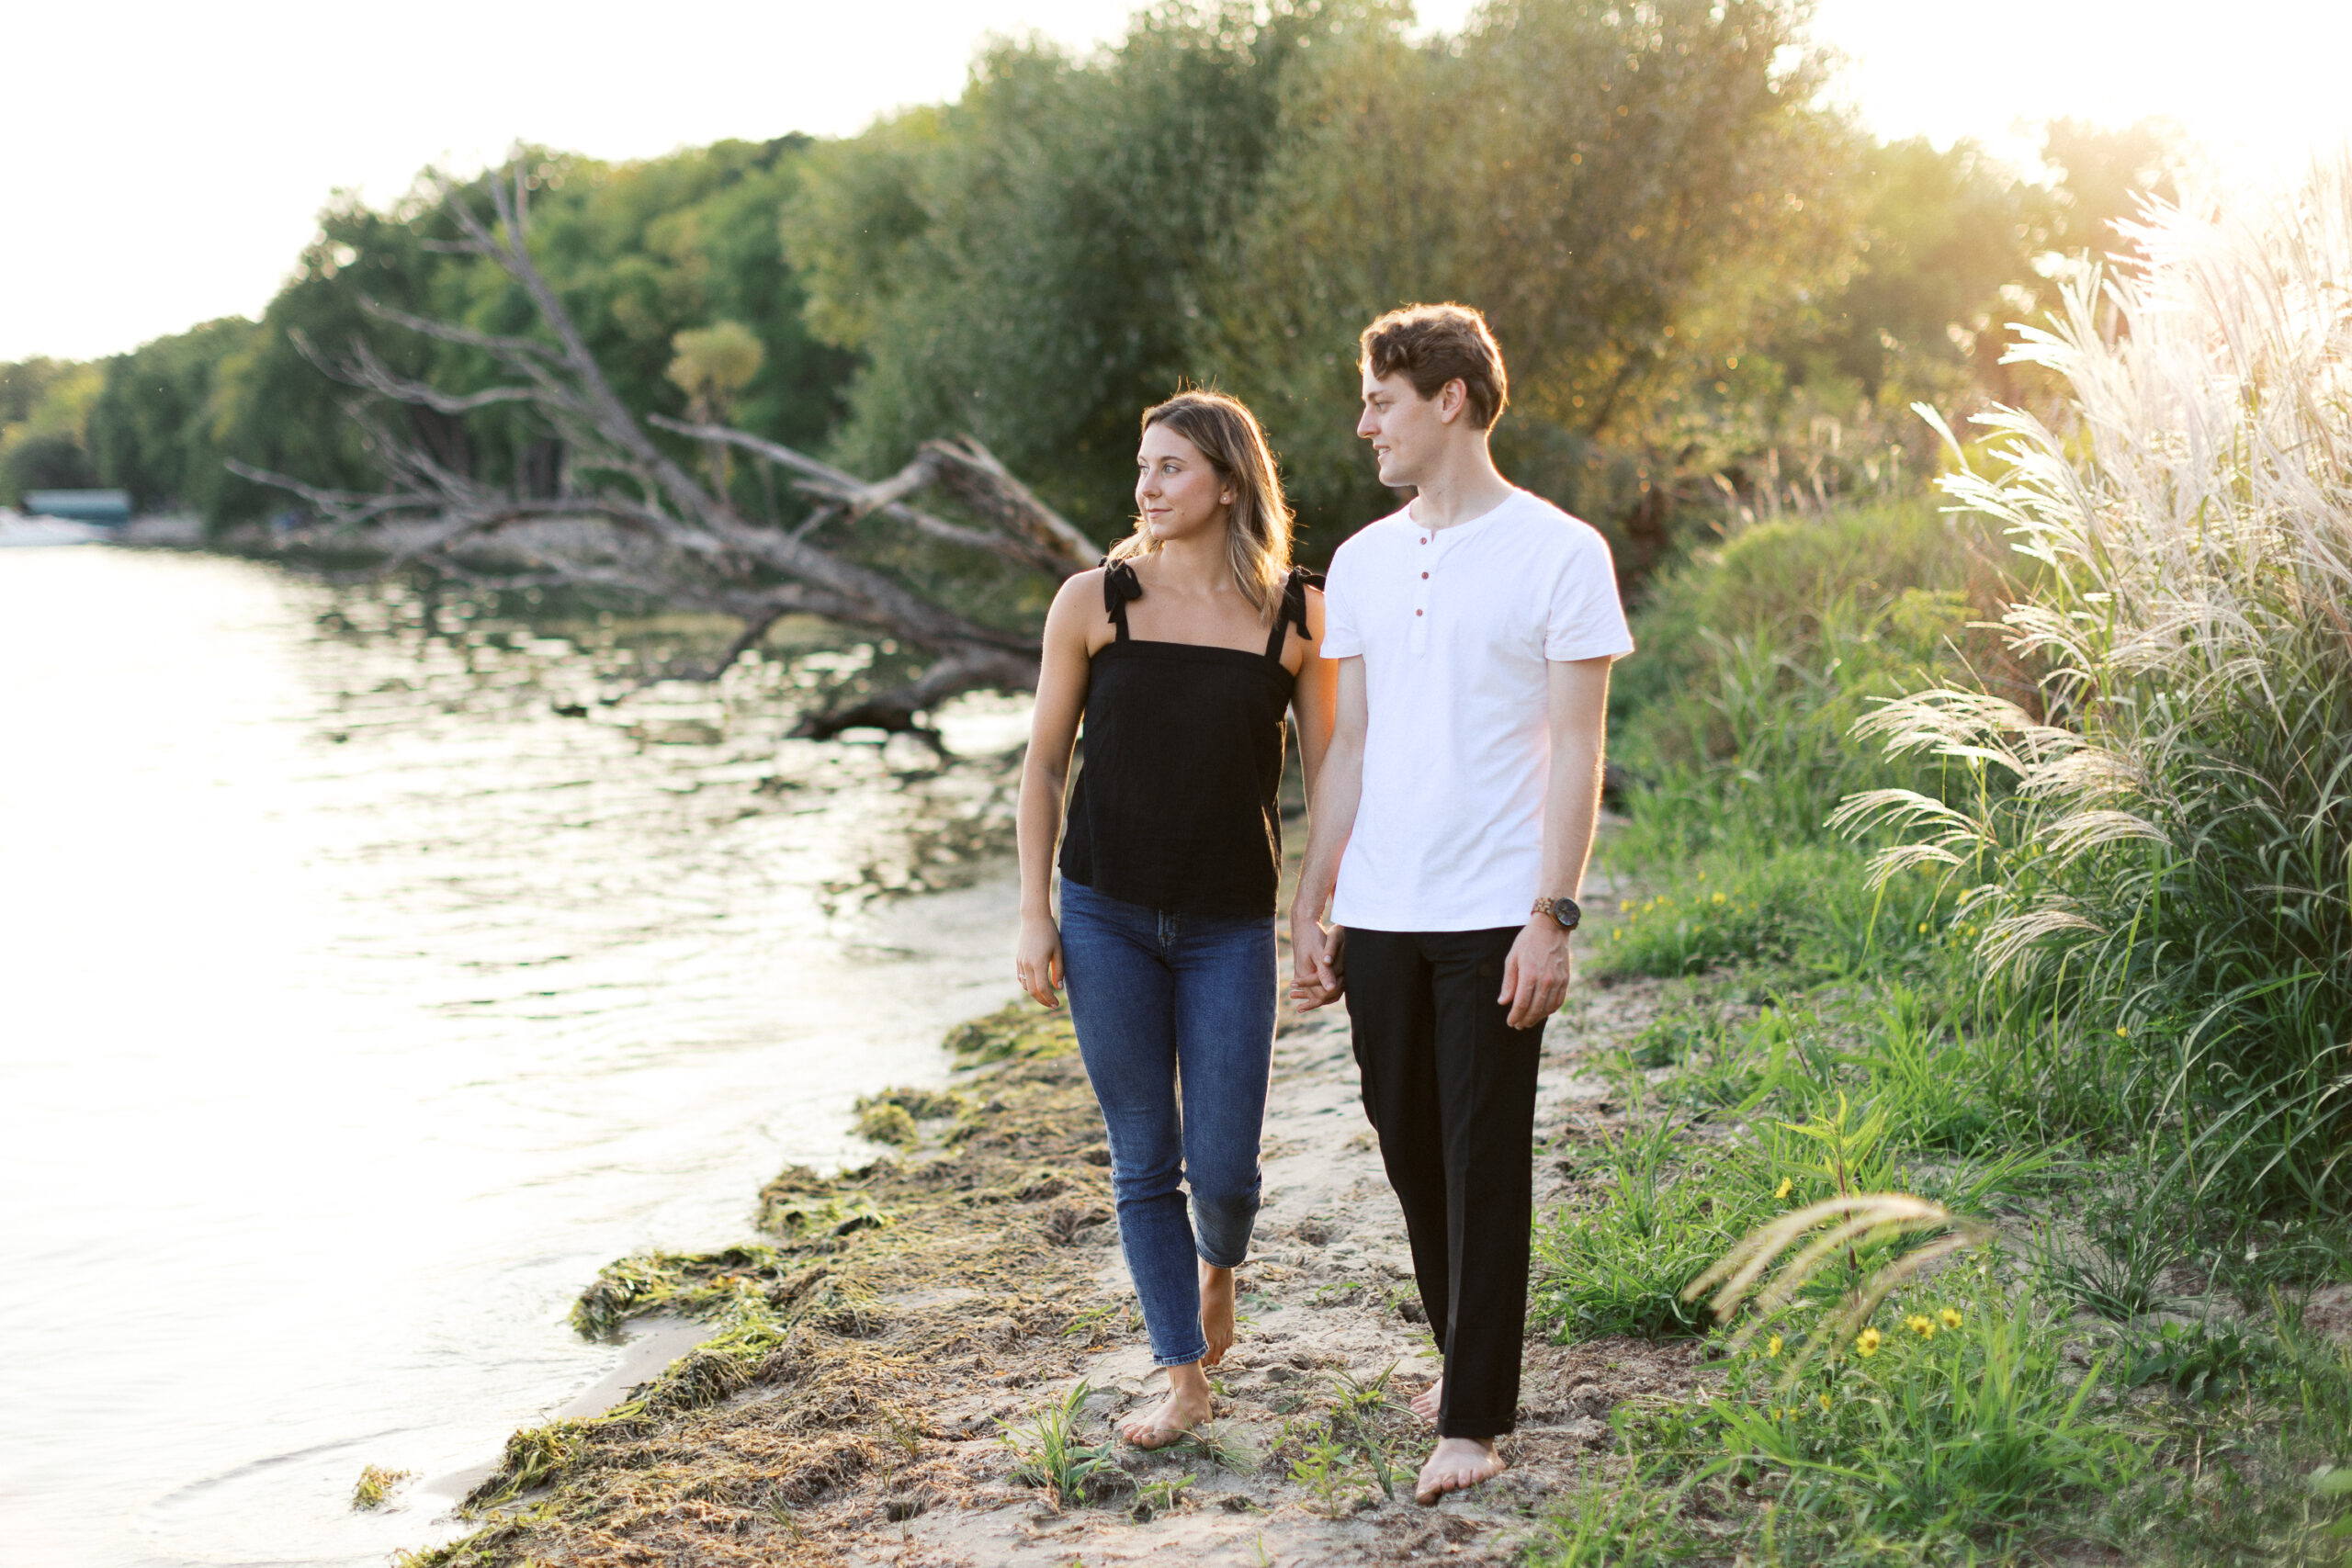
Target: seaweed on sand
x,y
857,1363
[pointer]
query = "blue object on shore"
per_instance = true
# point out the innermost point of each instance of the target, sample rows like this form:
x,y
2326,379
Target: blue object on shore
x,y
108,508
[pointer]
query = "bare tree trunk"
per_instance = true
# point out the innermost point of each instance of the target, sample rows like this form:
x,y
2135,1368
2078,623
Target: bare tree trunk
x,y
659,528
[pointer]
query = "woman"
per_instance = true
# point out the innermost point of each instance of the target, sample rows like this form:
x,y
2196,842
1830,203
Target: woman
x,y
1181,652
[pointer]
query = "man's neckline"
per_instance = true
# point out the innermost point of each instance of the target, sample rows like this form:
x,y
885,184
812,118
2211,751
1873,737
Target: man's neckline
x,y
1417,527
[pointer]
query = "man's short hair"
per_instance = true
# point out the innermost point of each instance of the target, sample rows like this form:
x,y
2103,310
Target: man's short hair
x,y
1433,344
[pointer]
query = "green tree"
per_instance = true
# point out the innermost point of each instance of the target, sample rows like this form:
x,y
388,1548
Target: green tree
x,y
153,429
639,252
1230,198
1626,190
44,419
1032,263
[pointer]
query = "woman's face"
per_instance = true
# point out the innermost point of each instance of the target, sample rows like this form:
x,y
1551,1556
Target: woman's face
x,y
1177,490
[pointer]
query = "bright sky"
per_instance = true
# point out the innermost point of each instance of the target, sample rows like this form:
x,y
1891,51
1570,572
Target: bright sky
x,y
164,161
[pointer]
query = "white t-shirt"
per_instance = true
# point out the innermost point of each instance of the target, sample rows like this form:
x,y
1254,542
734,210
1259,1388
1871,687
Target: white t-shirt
x,y
1455,626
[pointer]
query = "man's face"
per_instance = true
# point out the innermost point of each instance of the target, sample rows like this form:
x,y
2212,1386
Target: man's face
x,y
1406,431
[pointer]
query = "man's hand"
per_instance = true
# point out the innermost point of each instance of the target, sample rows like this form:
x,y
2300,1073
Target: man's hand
x,y
1318,963
1536,974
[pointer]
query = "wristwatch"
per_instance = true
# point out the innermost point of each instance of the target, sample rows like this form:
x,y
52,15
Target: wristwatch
x,y
1564,911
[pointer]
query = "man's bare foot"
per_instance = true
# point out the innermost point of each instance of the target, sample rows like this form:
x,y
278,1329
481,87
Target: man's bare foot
x,y
1186,1406
1425,1402
1457,1465
1216,1312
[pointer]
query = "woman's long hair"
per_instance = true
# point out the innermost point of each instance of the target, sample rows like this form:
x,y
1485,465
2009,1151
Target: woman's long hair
x,y
1256,524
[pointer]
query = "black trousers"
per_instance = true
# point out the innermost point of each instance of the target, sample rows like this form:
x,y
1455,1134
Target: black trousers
x,y
1450,1087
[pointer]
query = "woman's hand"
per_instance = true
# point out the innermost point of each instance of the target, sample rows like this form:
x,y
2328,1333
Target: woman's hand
x,y
1318,965
1037,958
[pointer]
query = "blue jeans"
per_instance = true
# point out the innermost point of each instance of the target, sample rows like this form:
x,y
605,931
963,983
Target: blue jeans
x,y
1165,1004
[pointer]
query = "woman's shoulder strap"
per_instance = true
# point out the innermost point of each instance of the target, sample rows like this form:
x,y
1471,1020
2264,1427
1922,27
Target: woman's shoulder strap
x,y
1120,584
1293,609
1294,596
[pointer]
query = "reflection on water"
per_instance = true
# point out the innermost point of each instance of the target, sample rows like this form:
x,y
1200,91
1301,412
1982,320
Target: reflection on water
x,y
369,984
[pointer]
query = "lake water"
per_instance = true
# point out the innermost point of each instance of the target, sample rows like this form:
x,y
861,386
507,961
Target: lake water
x,y
356,1005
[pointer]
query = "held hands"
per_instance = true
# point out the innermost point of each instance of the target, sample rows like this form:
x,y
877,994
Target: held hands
x,y
1318,963
1037,958
1536,974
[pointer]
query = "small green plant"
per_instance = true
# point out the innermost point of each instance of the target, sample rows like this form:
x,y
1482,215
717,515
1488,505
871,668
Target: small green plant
x,y
1363,1410
1054,1457
1327,1470
777,1509
1156,1498
1223,1446
2201,1363
2111,1270
377,1485
1097,1321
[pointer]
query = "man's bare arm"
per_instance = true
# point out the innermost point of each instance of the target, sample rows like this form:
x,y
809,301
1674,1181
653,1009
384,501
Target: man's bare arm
x,y
1536,974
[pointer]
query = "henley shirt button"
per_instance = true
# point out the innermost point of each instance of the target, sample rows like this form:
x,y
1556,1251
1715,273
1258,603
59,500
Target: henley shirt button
x,y
1425,577
1417,611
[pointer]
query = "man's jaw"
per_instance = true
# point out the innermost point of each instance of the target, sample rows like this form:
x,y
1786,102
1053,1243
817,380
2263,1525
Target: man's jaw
x,y
1386,465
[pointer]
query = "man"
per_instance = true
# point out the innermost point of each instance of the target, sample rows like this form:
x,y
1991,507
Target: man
x,y
1473,633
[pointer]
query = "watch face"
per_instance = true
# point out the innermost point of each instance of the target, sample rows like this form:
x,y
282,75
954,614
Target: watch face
x,y
1564,910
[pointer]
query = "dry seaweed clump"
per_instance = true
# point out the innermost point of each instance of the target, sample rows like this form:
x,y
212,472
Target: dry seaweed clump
x,y
377,1484
858,1364
897,1116
1017,1032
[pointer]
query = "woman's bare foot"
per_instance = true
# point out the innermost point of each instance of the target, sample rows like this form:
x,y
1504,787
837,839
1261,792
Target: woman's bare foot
x,y
1425,1402
1457,1465
1186,1406
1216,1312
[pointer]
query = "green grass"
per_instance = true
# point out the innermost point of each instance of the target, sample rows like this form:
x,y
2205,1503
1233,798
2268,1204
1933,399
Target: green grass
x,y
2147,1119
1620,1265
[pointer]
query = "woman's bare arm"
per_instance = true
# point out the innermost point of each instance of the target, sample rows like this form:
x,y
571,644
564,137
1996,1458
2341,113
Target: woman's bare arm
x,y
1339,788
1045,773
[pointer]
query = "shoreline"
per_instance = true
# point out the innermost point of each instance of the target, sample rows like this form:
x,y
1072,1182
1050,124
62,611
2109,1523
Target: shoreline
x,y
867,1377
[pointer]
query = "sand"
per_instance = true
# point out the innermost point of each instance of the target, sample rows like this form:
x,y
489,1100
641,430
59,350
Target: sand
x,y
862,1417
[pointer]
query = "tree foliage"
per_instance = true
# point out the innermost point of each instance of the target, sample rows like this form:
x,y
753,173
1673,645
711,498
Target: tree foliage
x,y
1706,280
1229,195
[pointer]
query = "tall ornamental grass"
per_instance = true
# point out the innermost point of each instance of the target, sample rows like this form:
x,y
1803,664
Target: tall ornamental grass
x,y
2157,850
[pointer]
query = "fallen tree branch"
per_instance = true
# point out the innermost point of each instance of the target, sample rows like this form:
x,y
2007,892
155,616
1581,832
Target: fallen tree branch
x,y
636,519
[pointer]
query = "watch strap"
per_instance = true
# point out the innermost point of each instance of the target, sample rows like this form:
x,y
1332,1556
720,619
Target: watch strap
x,y
1564,911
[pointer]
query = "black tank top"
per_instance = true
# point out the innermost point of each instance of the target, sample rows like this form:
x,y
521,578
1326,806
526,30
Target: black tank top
x,y
1179,764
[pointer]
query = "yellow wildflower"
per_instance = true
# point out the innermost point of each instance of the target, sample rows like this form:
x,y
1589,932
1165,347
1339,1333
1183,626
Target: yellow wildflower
x,y
2122,1033
1951,1318
1868,1344
1921,1323
1923,927
1783,1189
1718,899
1824,1404
1772,1346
